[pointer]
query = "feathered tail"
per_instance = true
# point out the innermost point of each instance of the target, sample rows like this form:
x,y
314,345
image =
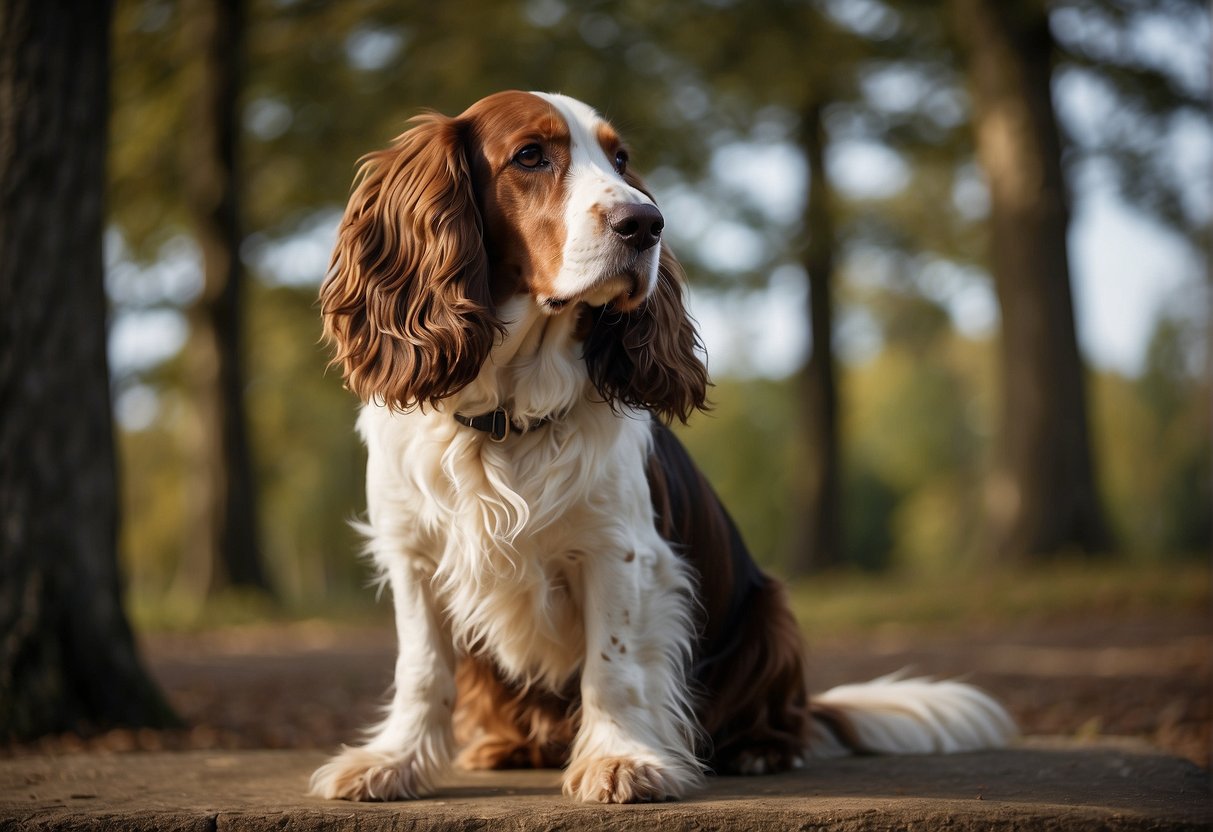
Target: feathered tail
x,y
898,715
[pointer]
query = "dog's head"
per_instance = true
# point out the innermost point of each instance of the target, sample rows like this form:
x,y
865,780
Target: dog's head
x,y
523,194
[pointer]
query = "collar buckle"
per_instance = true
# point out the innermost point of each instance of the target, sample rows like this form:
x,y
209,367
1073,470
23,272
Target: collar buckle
x,y
500,428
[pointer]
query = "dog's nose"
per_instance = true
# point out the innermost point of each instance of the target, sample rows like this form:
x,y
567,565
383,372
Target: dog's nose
x,y
639,225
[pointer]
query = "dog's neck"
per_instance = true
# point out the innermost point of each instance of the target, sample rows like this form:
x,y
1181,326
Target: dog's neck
x,y
535,373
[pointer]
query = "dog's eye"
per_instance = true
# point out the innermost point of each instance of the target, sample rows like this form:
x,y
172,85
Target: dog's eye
x,y
530,156
621,160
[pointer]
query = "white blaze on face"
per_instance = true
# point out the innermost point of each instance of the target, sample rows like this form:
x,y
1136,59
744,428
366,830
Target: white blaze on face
x,y
597,265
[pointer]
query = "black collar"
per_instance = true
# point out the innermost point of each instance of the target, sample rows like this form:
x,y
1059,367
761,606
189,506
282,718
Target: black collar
x,y
498,424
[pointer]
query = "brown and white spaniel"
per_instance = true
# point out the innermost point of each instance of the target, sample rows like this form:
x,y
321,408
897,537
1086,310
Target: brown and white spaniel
x,y
568,589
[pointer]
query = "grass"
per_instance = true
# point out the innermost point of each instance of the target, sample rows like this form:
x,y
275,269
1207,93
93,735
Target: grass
x,y
158,614
861,603
828,604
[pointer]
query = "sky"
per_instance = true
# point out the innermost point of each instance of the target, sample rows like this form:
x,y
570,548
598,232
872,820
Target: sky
x,y
1126,270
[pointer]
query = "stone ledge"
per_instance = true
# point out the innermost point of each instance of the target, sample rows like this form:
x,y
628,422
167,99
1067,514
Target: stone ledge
x,y
1042,784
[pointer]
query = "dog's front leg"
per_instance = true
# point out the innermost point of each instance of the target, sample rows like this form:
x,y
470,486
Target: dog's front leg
x,y
413,743
638,730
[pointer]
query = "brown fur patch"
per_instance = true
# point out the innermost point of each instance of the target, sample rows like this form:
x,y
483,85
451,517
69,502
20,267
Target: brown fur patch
x,y
407,301
608,139
441,228
523,209
750,659
502,726
759,702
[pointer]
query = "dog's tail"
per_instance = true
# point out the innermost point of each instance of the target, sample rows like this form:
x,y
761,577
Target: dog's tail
x,y
899,715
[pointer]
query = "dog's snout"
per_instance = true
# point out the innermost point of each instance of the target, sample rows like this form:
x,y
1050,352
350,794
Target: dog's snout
x,y
639,224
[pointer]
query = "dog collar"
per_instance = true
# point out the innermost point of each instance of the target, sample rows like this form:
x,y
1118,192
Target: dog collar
x,y
498,424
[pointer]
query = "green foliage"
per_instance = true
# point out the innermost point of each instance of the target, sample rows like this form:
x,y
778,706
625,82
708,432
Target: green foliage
x,y
750,450
147,115
918,421
1153,443
918,415
916,418
309,460
154,498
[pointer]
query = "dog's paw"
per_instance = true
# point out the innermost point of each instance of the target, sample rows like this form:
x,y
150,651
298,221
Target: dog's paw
x,y
619,780
362,774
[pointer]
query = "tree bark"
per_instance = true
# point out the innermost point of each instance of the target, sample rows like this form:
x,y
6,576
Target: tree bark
x,y
819,543
222,549
67,656
1042,499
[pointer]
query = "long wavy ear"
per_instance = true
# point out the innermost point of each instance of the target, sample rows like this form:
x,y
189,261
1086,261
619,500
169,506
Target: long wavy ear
x,y
407,302
650,358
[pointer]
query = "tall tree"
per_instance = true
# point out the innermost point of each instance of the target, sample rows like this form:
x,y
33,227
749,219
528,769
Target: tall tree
x,y
1042,498
820,517
222,546
67,659
788,62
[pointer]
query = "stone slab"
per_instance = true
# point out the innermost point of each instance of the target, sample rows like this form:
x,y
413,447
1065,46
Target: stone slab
x,y
1039,785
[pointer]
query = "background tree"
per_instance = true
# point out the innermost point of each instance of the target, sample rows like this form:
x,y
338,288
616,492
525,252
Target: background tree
x,y
1041,495
222,543
67,659
753,59
821,508
820,67
178,194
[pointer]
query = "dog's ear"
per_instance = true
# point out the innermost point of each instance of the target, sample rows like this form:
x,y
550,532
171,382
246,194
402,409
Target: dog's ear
x,y
650,357
406,301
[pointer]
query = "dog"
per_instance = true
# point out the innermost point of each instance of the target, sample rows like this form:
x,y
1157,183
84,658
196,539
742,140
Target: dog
x,y
568,589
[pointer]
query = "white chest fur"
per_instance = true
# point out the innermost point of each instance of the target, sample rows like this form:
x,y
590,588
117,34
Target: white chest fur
x,y
504,531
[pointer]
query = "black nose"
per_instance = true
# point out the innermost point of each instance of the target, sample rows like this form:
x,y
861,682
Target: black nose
x,y
639,225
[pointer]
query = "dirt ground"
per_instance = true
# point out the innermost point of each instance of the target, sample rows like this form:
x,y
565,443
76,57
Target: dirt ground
x,y
316,684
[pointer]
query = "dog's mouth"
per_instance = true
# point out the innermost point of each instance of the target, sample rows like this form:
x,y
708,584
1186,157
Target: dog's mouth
x,y
624,292
632,296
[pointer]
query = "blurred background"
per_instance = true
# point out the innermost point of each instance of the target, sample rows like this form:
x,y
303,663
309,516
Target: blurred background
x,y
950,262
822,169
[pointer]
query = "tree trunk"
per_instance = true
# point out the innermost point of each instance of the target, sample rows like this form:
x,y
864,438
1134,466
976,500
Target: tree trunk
x,y
818,540
222,548
67,656
1042,499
